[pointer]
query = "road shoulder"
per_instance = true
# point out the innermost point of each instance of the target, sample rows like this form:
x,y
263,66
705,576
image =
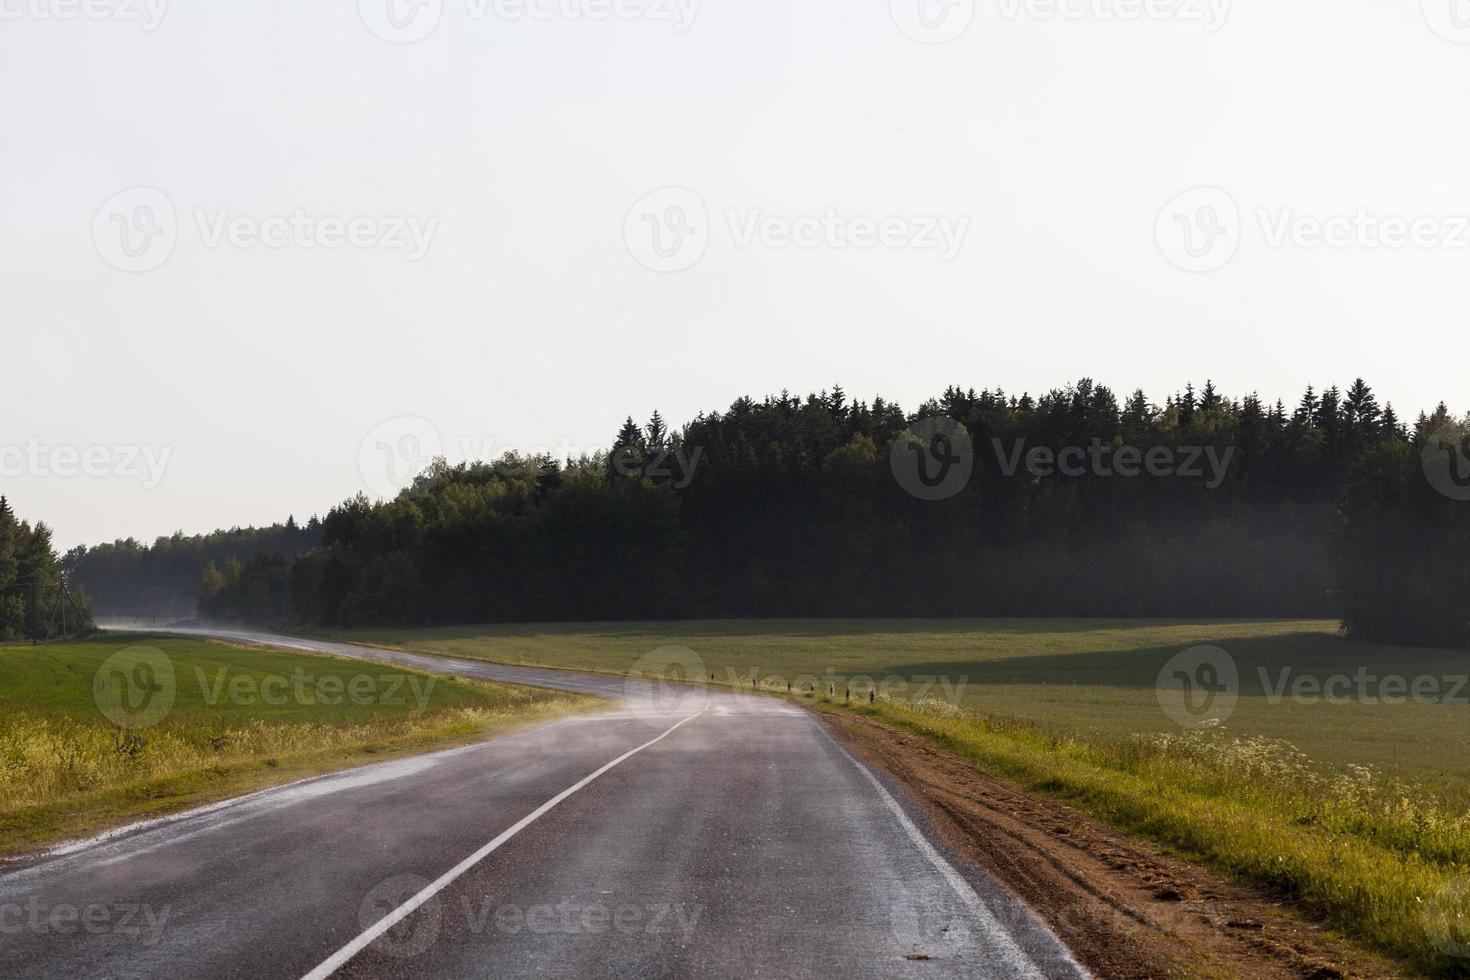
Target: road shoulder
x,y
1124,908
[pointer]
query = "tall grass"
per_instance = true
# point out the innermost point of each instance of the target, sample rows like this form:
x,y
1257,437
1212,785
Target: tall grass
x,y
1378,859
48,760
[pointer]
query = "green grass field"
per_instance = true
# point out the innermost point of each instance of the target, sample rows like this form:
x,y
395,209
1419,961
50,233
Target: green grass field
x,y
96,732
1355,806
1077,676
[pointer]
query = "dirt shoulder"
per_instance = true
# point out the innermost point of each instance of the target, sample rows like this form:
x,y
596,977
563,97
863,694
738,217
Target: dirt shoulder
x,y
1123,907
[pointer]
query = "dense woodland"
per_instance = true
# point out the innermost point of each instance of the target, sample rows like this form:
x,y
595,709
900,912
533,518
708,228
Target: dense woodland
x,y
793,509
130,580
33,603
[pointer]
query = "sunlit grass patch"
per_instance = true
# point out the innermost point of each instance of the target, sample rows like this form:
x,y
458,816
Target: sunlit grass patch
x,y
78,752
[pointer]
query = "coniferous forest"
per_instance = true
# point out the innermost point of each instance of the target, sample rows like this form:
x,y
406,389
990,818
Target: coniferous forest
x,y
790,507
33,602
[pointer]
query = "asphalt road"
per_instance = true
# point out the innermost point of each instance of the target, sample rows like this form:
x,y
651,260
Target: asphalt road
x,y
683,833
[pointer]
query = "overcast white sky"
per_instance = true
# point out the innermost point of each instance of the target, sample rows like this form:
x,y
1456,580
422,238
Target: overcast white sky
x,y
1054,145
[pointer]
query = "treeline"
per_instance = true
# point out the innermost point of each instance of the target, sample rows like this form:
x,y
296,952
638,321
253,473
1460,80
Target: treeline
x,y
1403,555
34,604
791,507
130,580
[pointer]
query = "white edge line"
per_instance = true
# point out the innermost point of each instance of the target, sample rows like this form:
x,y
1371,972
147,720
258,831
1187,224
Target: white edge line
x,y
338,959
1017,958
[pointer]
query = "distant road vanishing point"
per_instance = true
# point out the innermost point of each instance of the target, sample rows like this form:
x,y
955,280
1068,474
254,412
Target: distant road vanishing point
x,y
710,834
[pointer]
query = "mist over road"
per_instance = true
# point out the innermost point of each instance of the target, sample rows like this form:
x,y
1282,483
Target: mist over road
x,y
702,833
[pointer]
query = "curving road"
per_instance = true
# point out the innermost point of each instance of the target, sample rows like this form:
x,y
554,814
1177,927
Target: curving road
x,y
699,834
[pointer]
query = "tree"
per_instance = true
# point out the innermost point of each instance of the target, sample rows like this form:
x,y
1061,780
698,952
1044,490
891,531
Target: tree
x,y
1210,398
1186,404
656,433
629,454
1306,410
1361,415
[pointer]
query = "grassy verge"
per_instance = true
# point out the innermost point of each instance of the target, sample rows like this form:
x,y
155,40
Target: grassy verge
x,y
1355,808
104,731
1364,854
